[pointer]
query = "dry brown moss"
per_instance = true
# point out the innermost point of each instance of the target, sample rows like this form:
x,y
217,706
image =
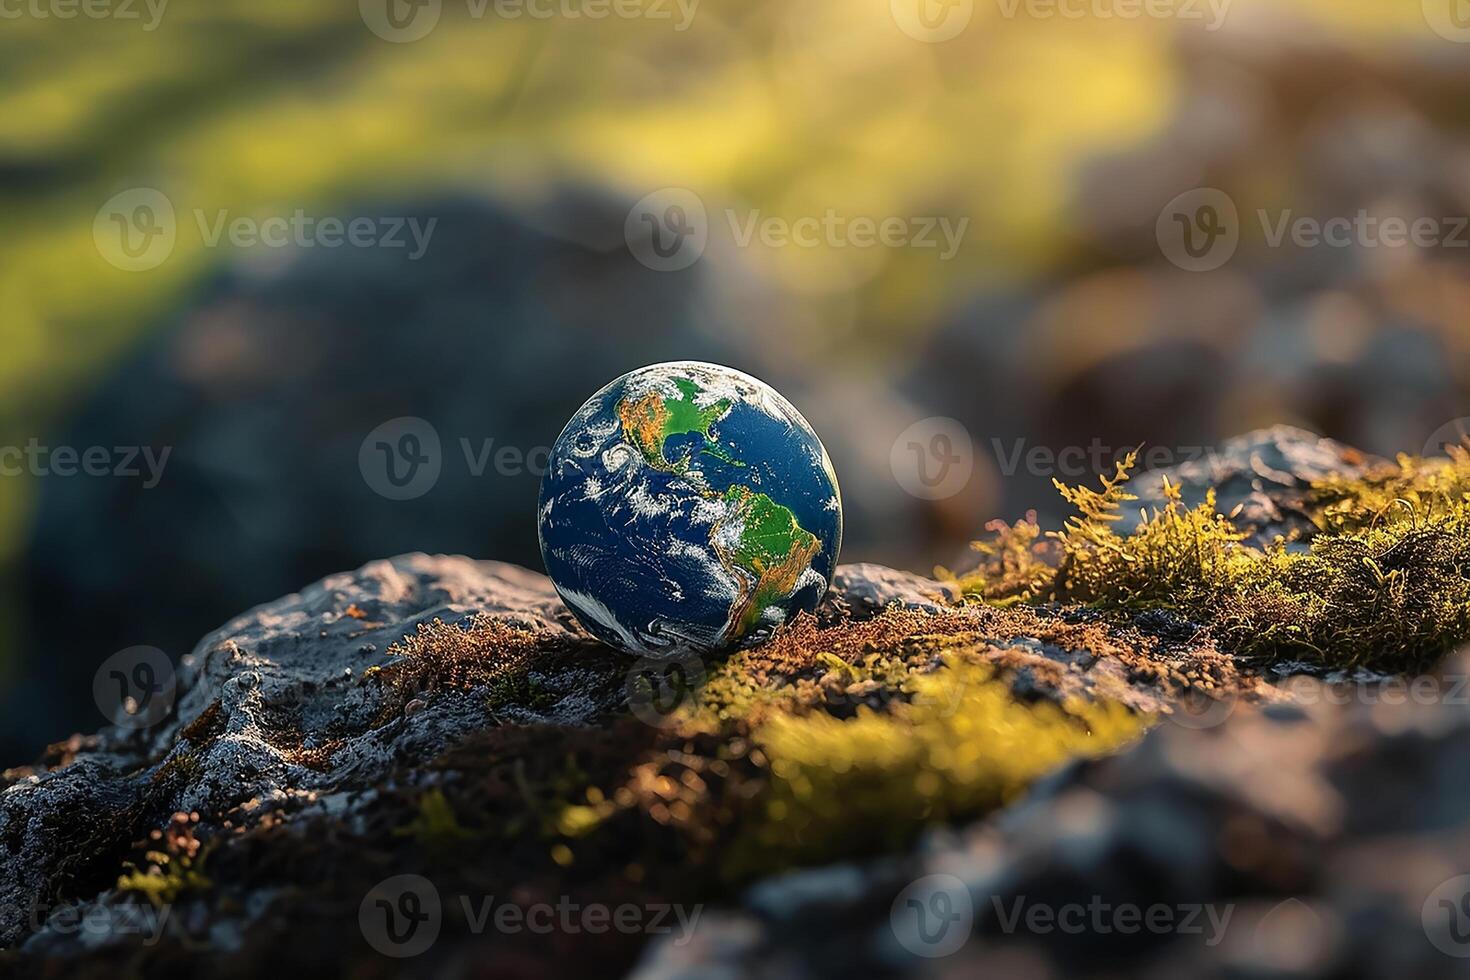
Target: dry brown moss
x,y
483,653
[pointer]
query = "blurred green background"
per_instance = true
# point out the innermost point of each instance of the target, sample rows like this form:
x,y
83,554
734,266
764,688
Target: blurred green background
x,y
1059,320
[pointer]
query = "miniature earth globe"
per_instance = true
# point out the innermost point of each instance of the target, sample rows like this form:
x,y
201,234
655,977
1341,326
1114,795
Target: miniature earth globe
x,y
688,507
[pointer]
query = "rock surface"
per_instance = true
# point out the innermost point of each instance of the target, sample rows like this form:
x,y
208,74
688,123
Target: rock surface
x,y
275,710
261,694
281,712
1327,838
863,590
447,719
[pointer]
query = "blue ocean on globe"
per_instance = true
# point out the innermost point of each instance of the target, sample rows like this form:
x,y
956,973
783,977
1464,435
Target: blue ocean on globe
x,y
688,507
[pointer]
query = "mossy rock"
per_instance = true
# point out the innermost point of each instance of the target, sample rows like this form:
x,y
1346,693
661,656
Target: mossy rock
x,y
448,718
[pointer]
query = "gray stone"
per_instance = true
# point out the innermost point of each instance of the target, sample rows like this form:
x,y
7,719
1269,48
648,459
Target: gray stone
x,y
294,673
1261,479
863,590
287,660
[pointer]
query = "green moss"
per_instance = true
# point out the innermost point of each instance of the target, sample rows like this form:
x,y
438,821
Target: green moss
x,y
1395,597
963,745
163,885
825,753
744,689
521,690
1385,583
172,863
1435,489
581,819
435,826
1014,566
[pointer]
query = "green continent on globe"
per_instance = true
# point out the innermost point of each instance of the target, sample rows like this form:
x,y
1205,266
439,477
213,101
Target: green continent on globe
x,y
771,549
650,421
769,555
